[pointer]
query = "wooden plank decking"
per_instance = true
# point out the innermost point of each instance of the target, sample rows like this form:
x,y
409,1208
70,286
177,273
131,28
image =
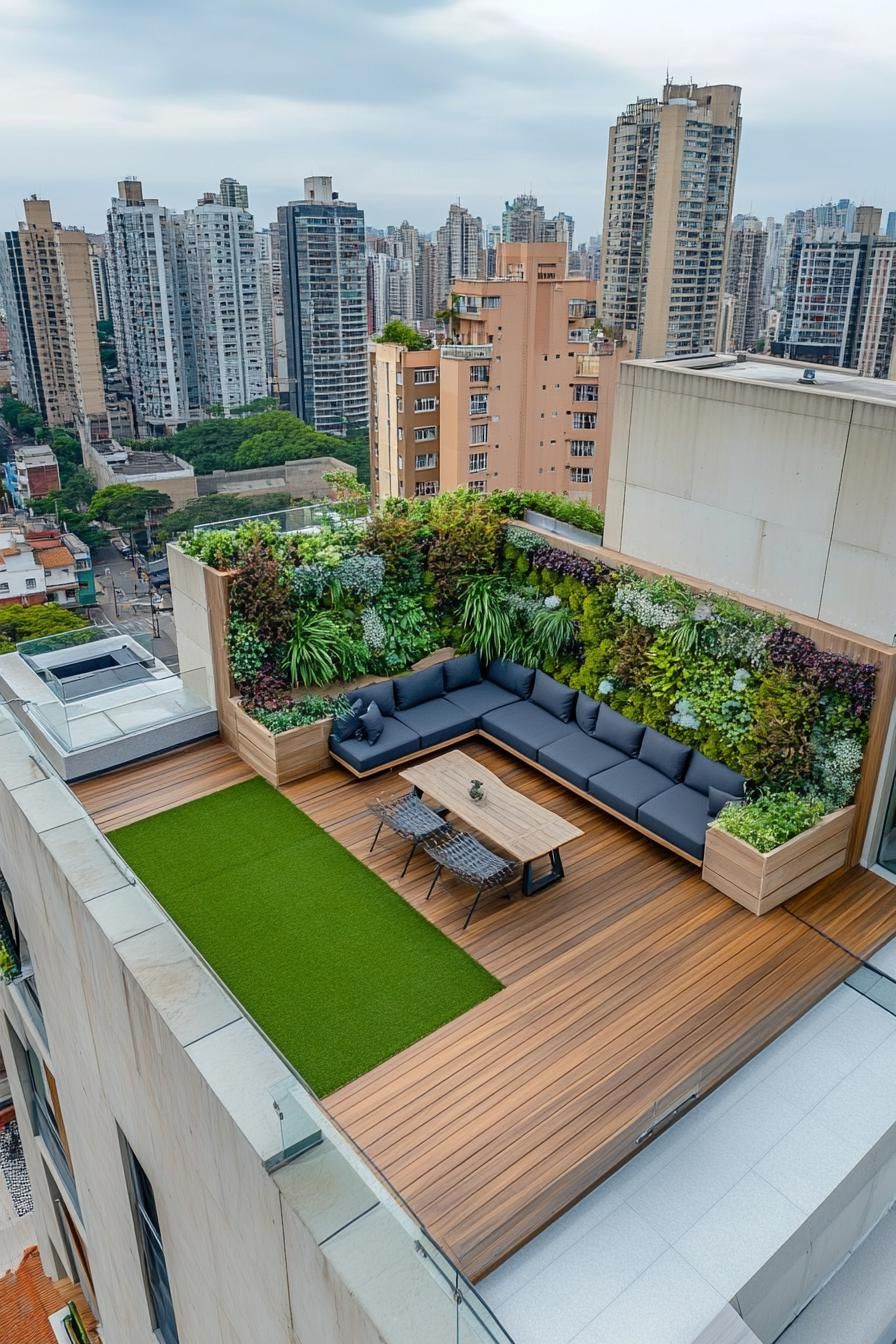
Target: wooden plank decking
x,y
629,987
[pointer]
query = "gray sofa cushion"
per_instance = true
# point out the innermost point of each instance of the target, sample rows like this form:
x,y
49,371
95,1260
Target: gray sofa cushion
x,y
481,698
382,693
717,798
511,676
463,671
703,774
628,786
437,721
397,740
664,754
525,727
576,757
678,815
417,687
586,713
347,725
553,696
618,731
371,724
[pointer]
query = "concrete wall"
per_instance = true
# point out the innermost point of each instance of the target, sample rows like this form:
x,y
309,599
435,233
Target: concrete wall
x,y
303,479
145,1042
780,493
191,623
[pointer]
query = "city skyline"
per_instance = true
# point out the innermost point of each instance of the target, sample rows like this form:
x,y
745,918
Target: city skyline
x,y
159,120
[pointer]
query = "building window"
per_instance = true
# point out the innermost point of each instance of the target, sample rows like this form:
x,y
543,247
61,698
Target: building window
x,y
149,1241
31,583
584,420
399,404
478,433
581,448
423,488
479,403
425,375
4,587
478,373
478,462
425,404
491,301
423,461
425,434
580,475
585,392
478,486
579,335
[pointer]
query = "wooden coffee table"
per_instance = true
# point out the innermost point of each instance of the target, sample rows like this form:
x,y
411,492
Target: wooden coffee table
x,y
523,829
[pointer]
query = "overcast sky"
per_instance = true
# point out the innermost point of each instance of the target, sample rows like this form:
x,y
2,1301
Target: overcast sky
x,y
410,104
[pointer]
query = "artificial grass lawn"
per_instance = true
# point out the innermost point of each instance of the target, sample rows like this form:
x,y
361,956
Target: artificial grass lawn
x,y
332,964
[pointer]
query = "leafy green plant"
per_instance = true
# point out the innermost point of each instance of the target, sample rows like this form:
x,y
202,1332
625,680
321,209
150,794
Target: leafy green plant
x,y
770,819
312,647
8,966
485,616
552,630
247,651
310,709
409,631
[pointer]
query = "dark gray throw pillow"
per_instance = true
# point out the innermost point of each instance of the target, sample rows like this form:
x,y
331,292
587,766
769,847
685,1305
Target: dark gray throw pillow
x,y
586,713
418,687
511,676
717,799
663,754
373,723
618,731
346,726
553,696
463,671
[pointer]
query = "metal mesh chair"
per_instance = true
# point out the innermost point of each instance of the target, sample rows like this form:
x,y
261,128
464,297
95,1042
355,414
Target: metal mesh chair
x,y
408,817
468,859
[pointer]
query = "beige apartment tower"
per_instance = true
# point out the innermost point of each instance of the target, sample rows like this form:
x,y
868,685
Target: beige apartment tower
x,y
61,319
519,398
667,211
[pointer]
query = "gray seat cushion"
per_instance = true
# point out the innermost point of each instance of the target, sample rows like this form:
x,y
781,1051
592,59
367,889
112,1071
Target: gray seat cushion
x,y
437,720
628,786
481,698
703,774
576,757
397,740
525,727
680,816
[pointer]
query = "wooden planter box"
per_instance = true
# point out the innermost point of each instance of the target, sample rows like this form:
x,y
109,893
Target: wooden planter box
x,y
759,882
281,757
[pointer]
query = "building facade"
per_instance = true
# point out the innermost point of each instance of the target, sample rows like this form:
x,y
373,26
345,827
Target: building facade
x,y
233,194
48,287
459,253
670,183
522,220
30,473
324,278
746,268
876,355
522,399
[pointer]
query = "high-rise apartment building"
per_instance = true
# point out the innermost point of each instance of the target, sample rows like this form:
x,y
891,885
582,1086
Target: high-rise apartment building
x,y
233,194
150,310
324,274
391,290
876,354
426,280
522,400
522,220
560,229
670,181
224,305
890,230
459,252
46,280
99,274
746,266
772,271
265,300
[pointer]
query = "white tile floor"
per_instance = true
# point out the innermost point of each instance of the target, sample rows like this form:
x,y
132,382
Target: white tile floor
x,y
655,1253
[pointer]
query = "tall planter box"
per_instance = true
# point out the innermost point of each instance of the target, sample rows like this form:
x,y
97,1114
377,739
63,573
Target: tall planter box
x,y
281,758
759,882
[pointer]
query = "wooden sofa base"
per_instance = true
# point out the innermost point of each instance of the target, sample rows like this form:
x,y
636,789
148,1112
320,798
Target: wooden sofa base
x,y
478,732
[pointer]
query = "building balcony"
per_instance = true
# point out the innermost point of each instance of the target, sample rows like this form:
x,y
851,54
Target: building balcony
x,y
466,351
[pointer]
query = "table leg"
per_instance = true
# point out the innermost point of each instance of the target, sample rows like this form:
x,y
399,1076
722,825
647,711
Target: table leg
x,y
531,884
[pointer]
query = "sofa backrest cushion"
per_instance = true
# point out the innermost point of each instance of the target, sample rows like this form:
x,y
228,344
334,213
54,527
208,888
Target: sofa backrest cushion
x,y
382,693
372,723
618,731
717,798
417,687
586,713
664,754
346,726
511,676
463,671
703,774
553,696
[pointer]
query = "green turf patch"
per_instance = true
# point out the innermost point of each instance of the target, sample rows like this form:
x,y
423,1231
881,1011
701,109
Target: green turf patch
x,y
333,965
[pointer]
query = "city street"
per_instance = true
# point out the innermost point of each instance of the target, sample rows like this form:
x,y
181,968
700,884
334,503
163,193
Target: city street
x,y
124,600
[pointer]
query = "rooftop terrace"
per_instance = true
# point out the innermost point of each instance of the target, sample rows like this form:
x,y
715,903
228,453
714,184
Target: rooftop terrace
x,y
630,990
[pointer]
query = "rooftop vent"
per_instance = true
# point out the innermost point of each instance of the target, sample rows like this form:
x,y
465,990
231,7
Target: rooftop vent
x,y
807,376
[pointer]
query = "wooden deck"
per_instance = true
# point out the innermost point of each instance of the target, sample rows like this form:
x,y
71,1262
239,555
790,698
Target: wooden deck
x,y
630,987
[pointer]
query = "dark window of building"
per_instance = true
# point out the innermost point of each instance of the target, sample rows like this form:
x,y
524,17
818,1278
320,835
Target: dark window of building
x,y
149,1239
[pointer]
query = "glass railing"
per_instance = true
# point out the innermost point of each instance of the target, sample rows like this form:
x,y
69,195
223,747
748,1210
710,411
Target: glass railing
x,y
117,712
298,519
355,1190
73,639
465,351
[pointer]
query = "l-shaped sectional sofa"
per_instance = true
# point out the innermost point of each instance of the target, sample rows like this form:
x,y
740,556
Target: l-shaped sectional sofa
x,y
661,787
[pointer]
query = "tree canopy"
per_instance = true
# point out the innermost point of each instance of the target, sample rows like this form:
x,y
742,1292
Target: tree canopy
x,y
276,436
20,623
400,333
23,419
214,508
126,506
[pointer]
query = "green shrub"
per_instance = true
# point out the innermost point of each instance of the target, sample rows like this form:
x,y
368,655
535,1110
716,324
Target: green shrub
x,y
311,656
310,709
485,616
771,819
